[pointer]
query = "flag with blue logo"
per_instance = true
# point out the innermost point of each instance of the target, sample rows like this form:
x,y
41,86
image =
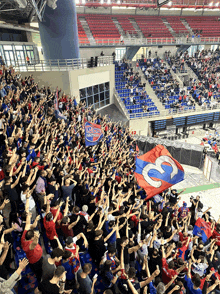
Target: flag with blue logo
x,y
157,170
93,133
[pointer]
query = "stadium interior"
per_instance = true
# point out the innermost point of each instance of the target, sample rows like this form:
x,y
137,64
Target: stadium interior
x,y
147,74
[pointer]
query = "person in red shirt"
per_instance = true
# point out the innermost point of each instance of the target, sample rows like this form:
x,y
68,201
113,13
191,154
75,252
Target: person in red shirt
x,y
216,235
33,250
60,216
72,247
168,271
50,226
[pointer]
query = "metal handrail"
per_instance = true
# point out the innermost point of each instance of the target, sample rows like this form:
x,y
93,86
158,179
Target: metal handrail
x,y
58,64
170,112
121,104
148,3
150,41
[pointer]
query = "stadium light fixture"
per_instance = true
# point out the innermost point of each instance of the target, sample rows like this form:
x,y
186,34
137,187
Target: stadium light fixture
x,y
217,4
118,2
77,1
83,1
210,4
109,1
170,3
102,1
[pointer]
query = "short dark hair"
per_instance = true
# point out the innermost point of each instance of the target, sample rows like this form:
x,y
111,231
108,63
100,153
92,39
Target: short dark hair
x,y
171,264
59,271
196,281
87,268
67,254
49,216
123,239
29,235
57,252
111,250
131,272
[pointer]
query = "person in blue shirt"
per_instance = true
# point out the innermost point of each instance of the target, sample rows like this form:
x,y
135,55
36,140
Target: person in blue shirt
x,y
194,284
69,267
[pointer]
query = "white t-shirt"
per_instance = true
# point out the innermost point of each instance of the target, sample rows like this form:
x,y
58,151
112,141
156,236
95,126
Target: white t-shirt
x,y
31,200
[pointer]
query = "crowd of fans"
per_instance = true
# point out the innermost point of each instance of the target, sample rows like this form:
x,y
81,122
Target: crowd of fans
x,y
131,90
166,88
85,201
205,89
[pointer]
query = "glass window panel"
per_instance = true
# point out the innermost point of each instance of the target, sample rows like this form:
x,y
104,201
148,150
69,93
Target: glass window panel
x,y
7,47
29,47
89,91
102,103
96,98
83,100
96,106
18,47
96,89
107,94
90,100
102,96
107,101
101,87
107,86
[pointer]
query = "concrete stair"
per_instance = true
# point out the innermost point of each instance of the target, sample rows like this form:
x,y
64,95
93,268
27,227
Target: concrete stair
x,y
87,30
190,72
188,27
137,28
151,92
119,27
169,27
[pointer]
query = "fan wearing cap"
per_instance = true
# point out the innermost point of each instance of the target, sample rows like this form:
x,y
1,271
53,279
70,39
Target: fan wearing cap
x,y
72,247
174,195
183,211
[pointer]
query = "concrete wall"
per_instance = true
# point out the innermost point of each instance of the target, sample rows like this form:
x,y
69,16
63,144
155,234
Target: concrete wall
x,y
69,81
94,78
53,79
141,126
150,11
92,52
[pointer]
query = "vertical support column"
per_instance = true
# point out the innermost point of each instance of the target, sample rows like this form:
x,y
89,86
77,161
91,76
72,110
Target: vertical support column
x,y
59,32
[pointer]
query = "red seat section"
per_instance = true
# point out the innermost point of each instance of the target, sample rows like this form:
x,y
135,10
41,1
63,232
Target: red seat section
x,y
209,25
126,24
102,26
152,26
81,32
176,24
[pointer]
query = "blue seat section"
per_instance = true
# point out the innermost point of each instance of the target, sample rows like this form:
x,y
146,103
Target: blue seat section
x,y
135,110
161,81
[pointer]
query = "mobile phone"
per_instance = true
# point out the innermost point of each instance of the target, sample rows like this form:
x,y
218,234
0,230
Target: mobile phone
x,y
95,276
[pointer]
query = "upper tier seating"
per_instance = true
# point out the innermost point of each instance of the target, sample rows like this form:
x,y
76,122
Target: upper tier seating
x,y
102,26
81,32
209,25
152,27
176,24
126,24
